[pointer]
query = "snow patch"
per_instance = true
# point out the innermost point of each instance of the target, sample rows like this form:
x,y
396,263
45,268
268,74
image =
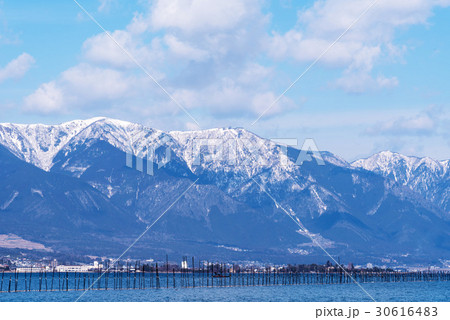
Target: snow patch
x,y
11,199
321,205
77,171
37,191
12,241
301,252
324,243
232,248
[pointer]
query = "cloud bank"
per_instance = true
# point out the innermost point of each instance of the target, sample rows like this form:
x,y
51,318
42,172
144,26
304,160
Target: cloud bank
x,y
17,67
219,59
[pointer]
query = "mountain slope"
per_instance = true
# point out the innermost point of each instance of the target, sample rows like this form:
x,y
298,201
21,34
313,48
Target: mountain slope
x,y
425,176
57,210
354,210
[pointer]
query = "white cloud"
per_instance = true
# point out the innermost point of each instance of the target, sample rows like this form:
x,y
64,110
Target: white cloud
x,y
294,44
183,49
80,86
361,81
105,5
246,94
17,68
427,122
230,98
421,124
200,15
254,72
203,54
48,98
327,19
226,30
261,102
384,82
213,56
96,83
368,41
100,49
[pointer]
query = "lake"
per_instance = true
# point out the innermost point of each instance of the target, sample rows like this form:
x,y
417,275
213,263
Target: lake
x,y
382,292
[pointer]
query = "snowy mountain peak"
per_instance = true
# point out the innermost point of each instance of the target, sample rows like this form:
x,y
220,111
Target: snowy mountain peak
x,y
215,133
446,165
426,176
387,162
39,144
231,151
244,154
348,207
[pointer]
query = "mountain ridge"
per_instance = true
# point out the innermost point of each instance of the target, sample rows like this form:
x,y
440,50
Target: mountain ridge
x,y
428,176
356,209
78,126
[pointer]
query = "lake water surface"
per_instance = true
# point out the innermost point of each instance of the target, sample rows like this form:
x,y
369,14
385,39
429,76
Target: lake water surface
x,y
382,292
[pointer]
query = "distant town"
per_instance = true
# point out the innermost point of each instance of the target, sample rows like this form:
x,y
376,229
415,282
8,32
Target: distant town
x,y
22,264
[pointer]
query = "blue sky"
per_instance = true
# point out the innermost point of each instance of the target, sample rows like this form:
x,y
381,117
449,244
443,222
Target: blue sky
x,y
384,85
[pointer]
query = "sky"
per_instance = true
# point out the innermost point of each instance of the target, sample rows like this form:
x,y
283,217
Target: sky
x,y
198,64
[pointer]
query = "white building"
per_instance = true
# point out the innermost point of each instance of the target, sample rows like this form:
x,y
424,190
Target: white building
x,y
83,268
29,269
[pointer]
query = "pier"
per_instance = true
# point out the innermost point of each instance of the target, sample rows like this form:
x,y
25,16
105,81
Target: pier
x,y
205,274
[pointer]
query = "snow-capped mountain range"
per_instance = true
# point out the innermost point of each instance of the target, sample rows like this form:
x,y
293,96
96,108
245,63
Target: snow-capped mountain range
x,y
38,144
426,176
71,180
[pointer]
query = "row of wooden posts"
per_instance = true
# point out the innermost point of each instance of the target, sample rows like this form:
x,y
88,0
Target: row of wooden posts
x,y
205,275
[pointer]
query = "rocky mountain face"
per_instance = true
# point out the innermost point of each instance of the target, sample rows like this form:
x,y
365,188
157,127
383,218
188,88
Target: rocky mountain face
x,y
426,176
387,208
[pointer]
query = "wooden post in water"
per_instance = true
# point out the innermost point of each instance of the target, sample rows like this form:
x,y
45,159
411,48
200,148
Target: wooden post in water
x,y
157,277
200,281
207,273
173,274
15,280
97,276
53,275
106,278
151,276
193,272
212,274
167,270
134,275
143,275
139,274
203,273
115,274
31,275
182,273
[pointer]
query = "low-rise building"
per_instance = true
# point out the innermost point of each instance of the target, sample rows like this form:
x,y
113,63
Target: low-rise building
x,y
83,268
4,267
29,269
